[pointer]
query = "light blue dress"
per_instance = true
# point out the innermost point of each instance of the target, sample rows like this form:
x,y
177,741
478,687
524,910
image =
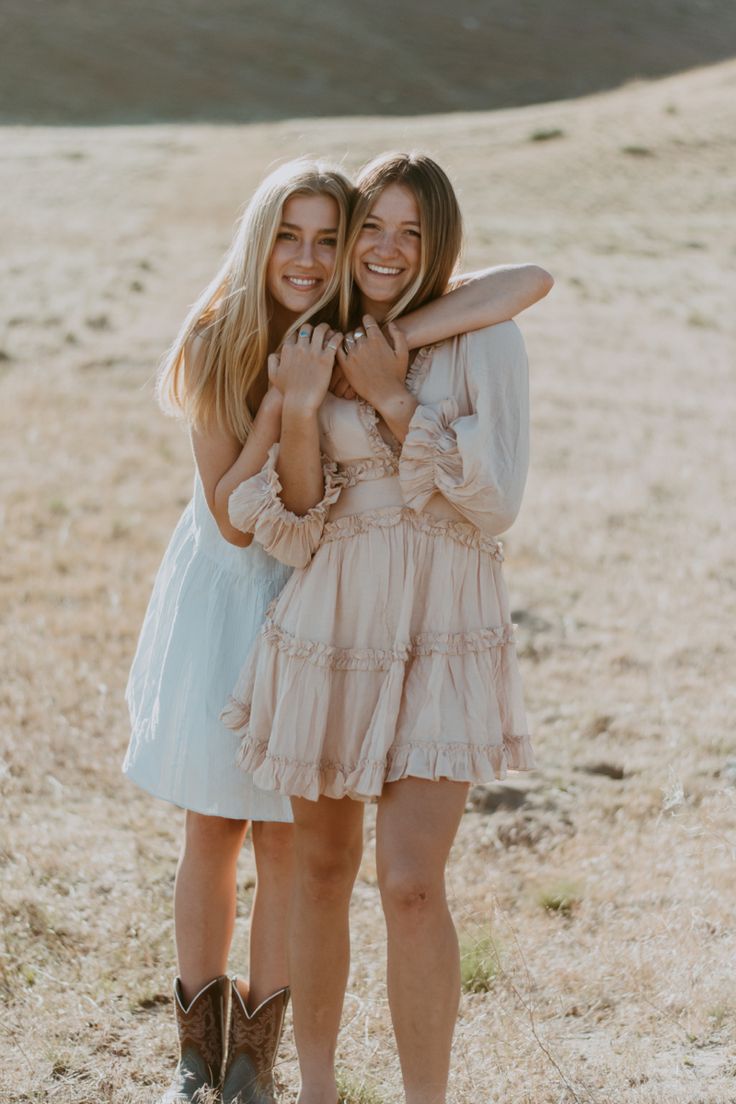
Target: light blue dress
x,y
208,603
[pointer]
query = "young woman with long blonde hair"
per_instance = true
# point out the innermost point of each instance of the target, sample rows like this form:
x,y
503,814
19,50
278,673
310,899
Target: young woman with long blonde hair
x,y
211,593
386,668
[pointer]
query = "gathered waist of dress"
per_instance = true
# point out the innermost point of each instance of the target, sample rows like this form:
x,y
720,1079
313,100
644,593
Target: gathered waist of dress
x,y
377,494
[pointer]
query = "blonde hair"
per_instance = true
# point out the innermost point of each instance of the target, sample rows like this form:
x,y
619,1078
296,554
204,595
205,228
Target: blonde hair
x,y
440,224
211,373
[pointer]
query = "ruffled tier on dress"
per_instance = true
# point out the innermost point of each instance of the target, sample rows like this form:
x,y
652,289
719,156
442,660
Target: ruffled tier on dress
x,y
392,656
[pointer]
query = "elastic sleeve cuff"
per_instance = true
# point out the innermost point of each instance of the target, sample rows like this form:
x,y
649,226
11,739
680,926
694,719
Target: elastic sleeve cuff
x,y
429,459
256,507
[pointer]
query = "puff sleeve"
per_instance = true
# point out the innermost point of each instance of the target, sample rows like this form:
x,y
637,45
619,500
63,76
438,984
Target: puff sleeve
x,y
255,506
479,462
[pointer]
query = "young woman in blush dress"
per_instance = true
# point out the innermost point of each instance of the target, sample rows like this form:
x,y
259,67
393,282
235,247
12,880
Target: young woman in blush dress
x,y
386,668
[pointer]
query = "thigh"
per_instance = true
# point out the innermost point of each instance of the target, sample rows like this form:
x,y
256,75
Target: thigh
x,y
416,825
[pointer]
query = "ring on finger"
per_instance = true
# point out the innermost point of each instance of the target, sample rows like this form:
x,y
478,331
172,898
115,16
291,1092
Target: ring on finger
x,y
358,334
304,332
373,324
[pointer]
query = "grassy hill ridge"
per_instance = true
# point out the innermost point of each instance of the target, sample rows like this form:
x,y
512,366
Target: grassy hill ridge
x,y
69,62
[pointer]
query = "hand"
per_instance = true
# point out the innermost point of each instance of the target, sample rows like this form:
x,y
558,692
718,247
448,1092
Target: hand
x,y
373,366
303,368
339,385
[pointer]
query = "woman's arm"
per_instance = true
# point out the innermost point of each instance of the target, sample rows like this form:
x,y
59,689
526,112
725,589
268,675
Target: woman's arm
x,y
479,460
285,504
224,463
476,300
302,373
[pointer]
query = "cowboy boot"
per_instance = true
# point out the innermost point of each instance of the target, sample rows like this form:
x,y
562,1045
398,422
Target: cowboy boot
x,y
201,1026
253,1043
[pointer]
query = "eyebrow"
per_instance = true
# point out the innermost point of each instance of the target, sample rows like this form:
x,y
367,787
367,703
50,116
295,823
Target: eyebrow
x,y
294,226
406,222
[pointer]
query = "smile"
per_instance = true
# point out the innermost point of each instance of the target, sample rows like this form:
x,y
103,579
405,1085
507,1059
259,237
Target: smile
x,y
302,282
382,270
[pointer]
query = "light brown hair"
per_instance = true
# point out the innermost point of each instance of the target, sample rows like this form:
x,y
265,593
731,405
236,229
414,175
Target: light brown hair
x,y
440,225
211,373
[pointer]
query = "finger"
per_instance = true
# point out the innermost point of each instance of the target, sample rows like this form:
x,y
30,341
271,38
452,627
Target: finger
x,y
290,339
371,327
305,333
398,340
348,344
341,355
341,388
273,364
319,334
349,393
360,334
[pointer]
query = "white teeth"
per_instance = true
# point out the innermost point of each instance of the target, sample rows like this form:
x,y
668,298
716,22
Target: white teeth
x,y
382,270
298,281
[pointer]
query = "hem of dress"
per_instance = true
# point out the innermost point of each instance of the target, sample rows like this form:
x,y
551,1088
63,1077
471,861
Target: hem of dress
x,y
469,763
196,807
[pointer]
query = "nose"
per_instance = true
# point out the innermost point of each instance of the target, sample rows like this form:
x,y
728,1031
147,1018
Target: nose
x,y
305,254
386,244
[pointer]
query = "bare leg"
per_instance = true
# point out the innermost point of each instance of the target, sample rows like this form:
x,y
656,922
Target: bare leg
x,y
204,898
328,843
417,822
269,920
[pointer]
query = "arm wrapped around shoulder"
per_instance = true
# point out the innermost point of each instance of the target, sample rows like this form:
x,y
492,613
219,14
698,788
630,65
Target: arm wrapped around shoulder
x,y
479,462
255,506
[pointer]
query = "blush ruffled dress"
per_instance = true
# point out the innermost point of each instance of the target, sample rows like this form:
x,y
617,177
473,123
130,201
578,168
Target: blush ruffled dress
x,y
390,652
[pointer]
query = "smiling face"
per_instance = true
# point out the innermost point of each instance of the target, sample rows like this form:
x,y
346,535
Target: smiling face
x,y
303,257
387,253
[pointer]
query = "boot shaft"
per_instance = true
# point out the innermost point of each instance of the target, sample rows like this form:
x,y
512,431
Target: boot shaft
x,y
253,1043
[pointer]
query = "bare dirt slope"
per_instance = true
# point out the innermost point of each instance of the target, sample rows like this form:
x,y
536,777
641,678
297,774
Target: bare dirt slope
x,y
608,891
69,61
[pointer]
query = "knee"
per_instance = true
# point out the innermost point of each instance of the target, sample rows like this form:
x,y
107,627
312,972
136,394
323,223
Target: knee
x,y
213,835
327,875
410,893
273,844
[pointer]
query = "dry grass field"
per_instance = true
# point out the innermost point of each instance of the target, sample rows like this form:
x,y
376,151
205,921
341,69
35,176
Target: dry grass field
x,y
596,904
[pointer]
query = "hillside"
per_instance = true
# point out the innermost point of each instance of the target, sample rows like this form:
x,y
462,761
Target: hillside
x,y
68,61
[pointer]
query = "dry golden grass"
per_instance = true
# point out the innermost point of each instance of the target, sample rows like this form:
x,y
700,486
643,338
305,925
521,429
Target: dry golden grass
x,y
622,568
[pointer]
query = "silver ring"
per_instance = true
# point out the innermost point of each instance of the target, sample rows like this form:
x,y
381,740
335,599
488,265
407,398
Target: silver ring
x,y
373,324
359,333
349,340
331,346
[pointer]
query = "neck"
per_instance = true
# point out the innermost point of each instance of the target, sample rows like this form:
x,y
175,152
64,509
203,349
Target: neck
x,y
376,310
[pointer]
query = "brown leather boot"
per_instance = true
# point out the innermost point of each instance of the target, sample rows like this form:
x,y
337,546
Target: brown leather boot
x,y
202,1028
253,1043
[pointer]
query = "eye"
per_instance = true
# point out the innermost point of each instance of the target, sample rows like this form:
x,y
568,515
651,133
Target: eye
x,y
370,226
332,242
286,235
414,233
